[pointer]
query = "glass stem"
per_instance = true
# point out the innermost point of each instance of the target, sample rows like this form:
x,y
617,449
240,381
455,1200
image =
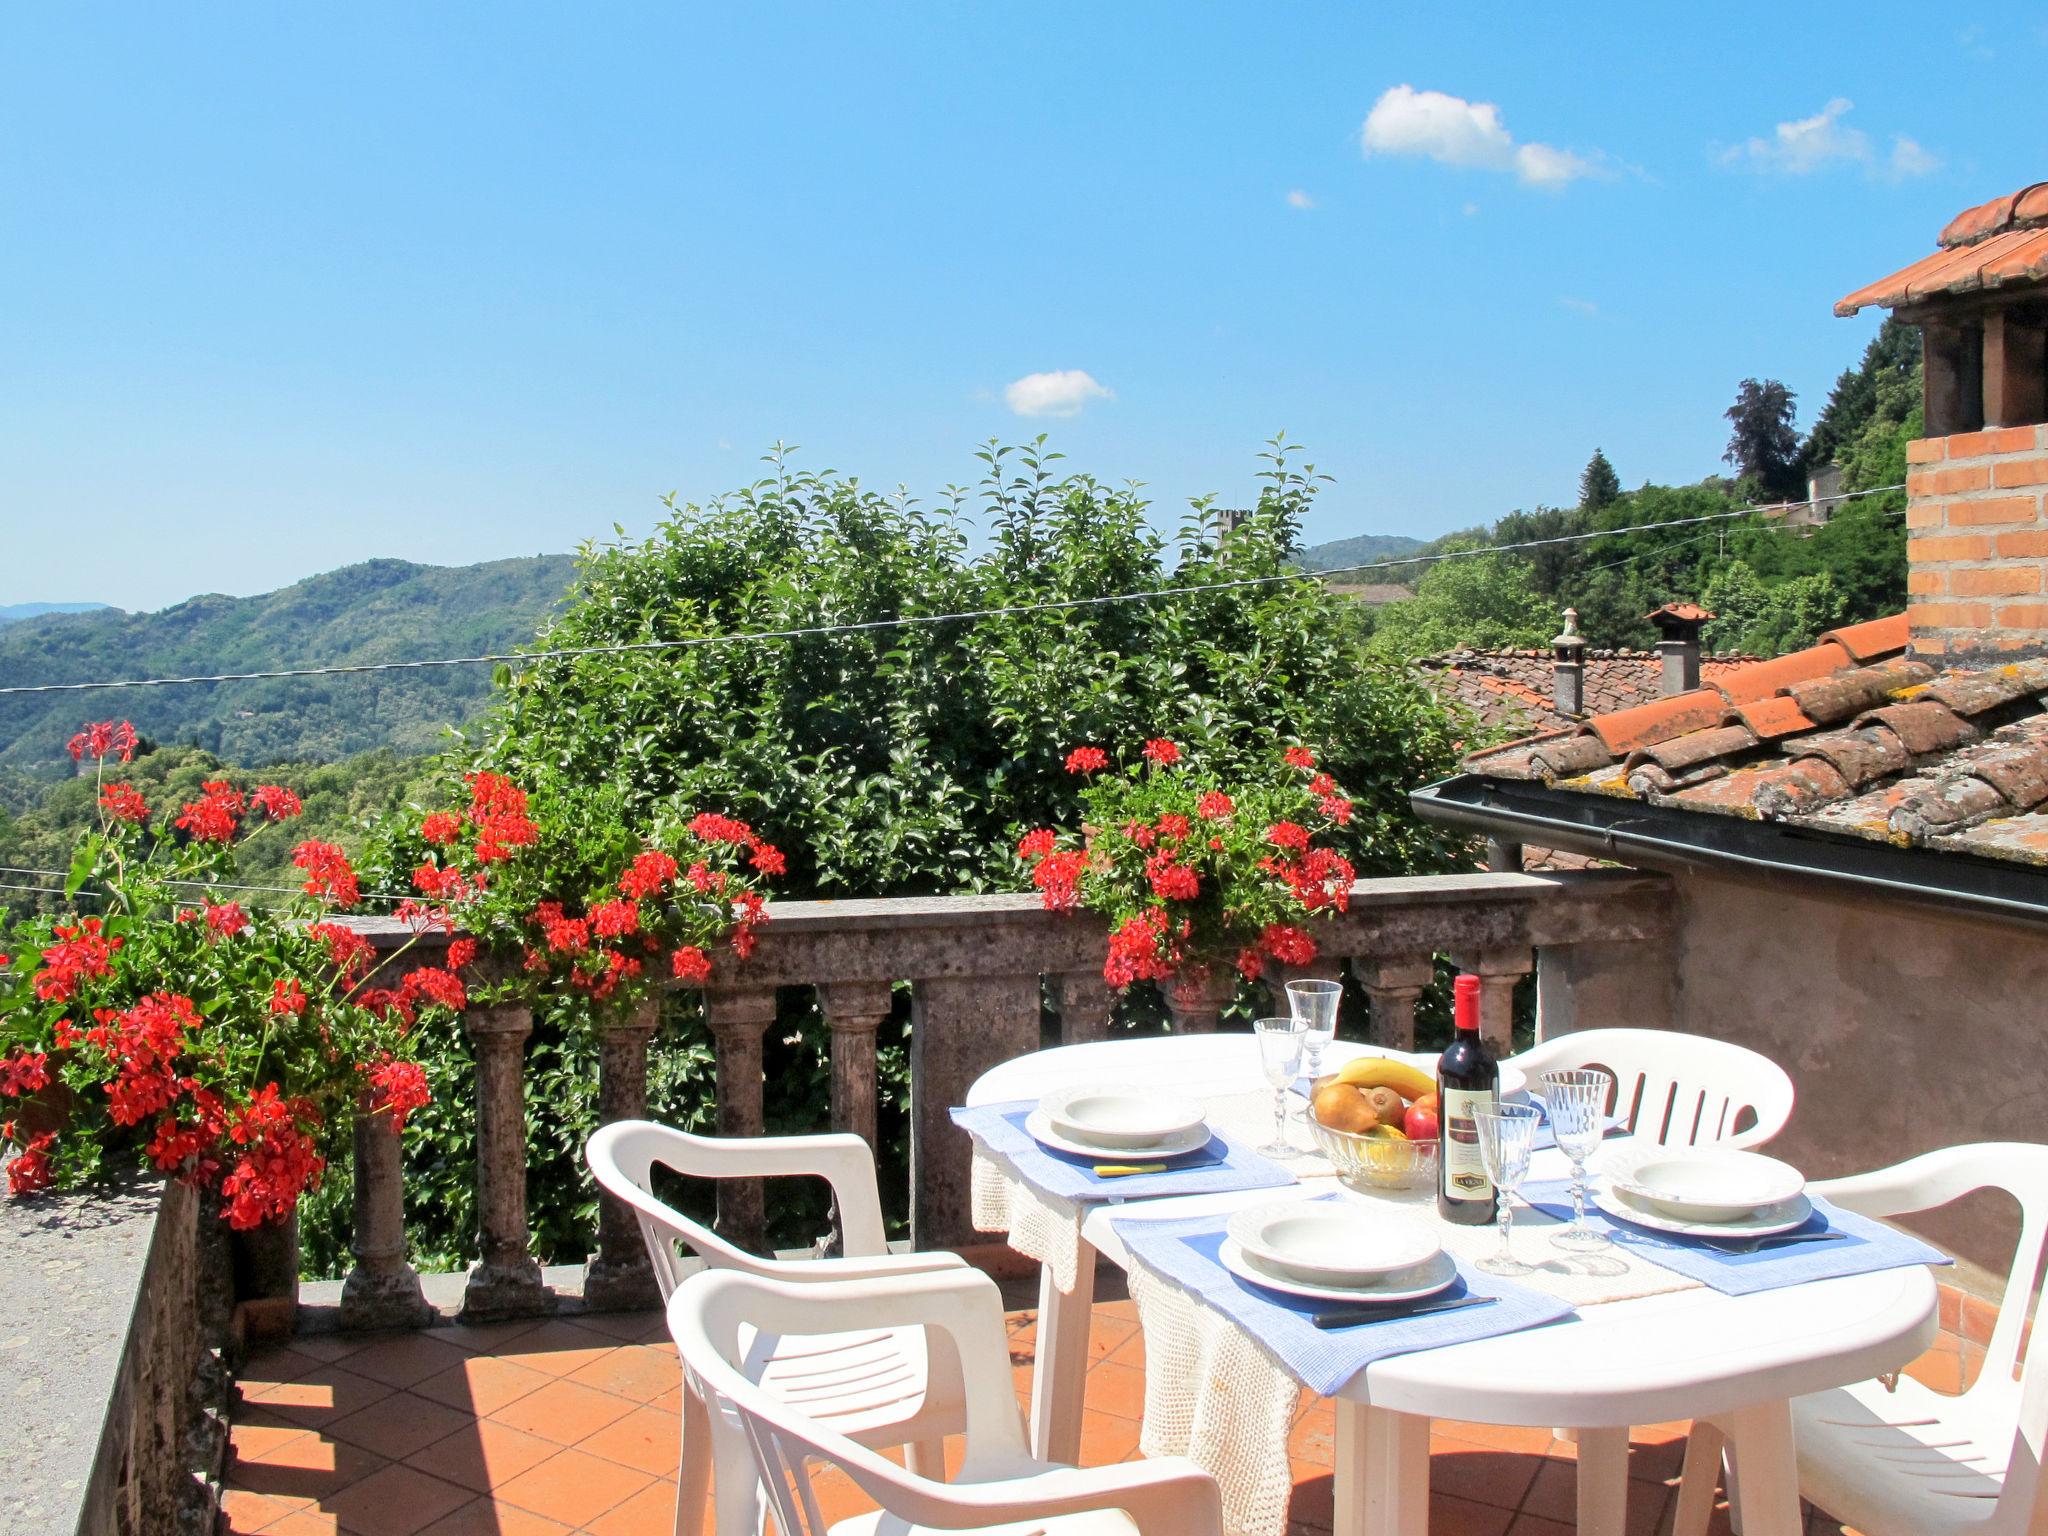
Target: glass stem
x,y
1578,1196
1279,1116
1507,1221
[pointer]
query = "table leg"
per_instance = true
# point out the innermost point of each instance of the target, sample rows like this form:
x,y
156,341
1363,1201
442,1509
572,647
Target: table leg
x,y
1059,1366
1381,1472
1765,1497
1603,1481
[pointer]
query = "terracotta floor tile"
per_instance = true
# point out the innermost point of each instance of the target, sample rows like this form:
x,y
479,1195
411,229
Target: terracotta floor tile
x,y
641,1372
1554,1496
483,1455
274,1364
646,1440
1536,1525
1313,1440
397,1501
1450,1516
485,1517
482,1384
245,1513
1107,1334
1940,1370
483,1338
564,1412
559,1347
398,1425
330,1347
310,1521
573,1487
1482,1475
1313,1501
1106,1439
1117,1389
324,1394
1526,1441
256,1440
627,1327
403,1359
307,1468
650,1512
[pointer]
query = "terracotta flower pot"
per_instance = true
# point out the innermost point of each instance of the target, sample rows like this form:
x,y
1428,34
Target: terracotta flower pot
x,y
266,1263
1197,995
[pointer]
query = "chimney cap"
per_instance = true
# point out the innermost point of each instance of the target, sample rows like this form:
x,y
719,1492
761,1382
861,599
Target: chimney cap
x,y
1679,621
1569,639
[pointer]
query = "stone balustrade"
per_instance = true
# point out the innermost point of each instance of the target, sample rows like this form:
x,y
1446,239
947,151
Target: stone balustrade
x,y
980,971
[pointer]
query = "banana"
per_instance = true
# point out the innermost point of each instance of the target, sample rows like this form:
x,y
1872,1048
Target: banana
x,y
1381,1071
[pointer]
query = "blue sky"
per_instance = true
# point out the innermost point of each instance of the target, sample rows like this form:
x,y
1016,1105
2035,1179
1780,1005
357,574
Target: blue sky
x,y
288,287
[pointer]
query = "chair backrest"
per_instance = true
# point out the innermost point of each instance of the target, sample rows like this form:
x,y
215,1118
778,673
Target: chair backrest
x,y
624,1154
1675,1089
1935,1179
719,1318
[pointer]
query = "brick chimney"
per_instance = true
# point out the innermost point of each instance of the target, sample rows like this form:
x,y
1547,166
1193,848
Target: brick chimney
x,y
1568,676
1679,626
1977,528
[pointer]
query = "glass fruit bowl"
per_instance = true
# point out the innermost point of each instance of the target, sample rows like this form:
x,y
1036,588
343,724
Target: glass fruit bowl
x,y
1373,1162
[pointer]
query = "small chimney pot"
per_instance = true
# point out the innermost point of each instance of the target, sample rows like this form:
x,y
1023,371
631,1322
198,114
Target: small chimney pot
x,y
1679,626
1568,673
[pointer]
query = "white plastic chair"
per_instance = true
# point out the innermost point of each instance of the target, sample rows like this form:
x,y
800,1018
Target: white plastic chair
x,y
1675,1089
881,1386
1908,1461
1000,1486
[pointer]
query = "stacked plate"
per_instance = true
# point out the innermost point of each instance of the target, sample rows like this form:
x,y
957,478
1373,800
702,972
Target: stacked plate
x,y
1088,1122
1706,1192
1330,1250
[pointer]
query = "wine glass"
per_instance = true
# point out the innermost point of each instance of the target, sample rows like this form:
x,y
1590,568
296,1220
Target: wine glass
x,y
1578,1119
1315,1004
1507,1132
1280,1046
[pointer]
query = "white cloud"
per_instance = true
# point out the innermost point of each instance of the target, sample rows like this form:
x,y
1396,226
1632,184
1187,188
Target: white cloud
x,y
1809,144
1062,392
1583,306
1300,200
1454,131
1909,158
1469,210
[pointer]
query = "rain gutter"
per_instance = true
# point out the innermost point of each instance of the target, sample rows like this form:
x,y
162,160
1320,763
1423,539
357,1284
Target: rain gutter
x,y
1630,832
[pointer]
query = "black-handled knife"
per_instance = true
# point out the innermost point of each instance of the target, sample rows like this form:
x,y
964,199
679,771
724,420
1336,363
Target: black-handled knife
x,y
1387,1311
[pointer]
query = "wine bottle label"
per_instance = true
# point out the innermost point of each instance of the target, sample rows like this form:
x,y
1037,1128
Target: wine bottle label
x,y
1464,1169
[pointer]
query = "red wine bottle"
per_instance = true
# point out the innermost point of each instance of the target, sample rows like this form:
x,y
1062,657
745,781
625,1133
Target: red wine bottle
x,y
1466,1079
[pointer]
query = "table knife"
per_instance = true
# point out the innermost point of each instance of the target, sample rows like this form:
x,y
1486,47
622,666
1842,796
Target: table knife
x,y
1126,1170
1353,1317
1760,1244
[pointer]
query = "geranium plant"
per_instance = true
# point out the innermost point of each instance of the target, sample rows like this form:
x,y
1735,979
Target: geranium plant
x,y
1192,872
589,905
161,1021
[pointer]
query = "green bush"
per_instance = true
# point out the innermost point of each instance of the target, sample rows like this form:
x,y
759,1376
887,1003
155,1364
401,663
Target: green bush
x,y
907,760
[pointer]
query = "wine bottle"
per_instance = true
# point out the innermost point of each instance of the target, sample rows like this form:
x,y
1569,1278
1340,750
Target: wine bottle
x,y
1466,1079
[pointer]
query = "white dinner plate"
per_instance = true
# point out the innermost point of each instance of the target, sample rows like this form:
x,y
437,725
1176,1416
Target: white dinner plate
x,y
1332,1242
1718,1184
1039,1128
1768,1222
1110,1116
1438,1274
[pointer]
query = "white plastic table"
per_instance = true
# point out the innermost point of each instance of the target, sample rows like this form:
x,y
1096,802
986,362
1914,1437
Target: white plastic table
x,y
1681,1355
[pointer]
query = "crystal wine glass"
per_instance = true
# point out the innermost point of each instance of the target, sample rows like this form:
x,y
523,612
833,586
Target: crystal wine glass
x,y
1507,1133
1280,1047
1577,1100
1315,1004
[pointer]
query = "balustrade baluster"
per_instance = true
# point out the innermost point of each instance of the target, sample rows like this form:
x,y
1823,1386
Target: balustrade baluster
x,y
382,1290
960,1027
1498,970
739,1017
620,1277
855,1011
1087,1005
507,1281
1392,986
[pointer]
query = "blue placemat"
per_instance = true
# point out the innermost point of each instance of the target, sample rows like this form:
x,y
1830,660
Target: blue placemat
x,y
1224,1164
1185,1252
1866,1245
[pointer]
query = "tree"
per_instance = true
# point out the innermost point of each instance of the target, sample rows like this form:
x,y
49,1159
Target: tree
x,y
1763,444
1770,620
1870,390
1476,602
1598,483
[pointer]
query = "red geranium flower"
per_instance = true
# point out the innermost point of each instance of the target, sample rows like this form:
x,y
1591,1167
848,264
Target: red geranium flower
x,y
1299,757
690,964
1163,752
102,738
398,1088
714,828
216,815
648,875
288,997
277,802
1087,760
442,828
1214,806
1288,834
32,1170
24,1071
124,802
327,872
1036,845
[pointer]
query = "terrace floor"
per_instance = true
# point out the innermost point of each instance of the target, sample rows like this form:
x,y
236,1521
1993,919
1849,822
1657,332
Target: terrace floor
x,y
570,1425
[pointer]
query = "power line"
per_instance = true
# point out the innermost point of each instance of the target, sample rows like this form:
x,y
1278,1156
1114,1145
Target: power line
x,y
910,620
203,885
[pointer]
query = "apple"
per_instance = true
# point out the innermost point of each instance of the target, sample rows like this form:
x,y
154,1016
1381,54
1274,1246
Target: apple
x,y
1419,1124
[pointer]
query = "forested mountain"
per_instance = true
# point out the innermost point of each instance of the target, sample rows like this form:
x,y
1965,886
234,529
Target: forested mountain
x,y
14,613
1358,550
381,610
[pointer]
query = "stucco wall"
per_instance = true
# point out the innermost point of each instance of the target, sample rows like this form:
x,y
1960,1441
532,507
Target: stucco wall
x,y
1905,1030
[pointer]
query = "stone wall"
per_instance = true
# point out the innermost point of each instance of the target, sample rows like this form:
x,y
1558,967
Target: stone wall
x,y
106,1341
1905,1029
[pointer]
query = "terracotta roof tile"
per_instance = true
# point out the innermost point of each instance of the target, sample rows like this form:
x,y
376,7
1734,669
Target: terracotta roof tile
x,y
1513,689
1874,638
1891,751
1997,243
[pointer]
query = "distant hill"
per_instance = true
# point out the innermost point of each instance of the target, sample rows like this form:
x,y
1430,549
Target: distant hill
x,y
1358,550
382,610
11,613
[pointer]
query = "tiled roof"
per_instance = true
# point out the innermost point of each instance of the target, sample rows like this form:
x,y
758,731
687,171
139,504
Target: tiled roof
x,y
1850,736
1993,245
1512,689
